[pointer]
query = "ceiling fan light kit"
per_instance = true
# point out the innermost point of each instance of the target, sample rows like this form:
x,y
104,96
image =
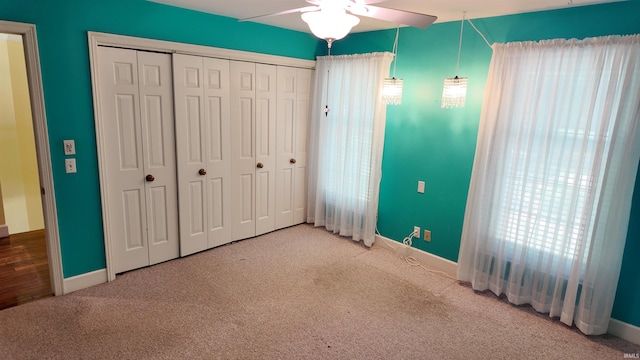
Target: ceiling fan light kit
x,y
330,23
333,19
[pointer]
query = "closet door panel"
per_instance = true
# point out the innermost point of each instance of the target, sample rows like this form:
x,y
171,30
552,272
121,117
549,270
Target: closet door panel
x,y
291,138
158,139
266,82
303,91
285,152
243,163
218,144
191,140
120,111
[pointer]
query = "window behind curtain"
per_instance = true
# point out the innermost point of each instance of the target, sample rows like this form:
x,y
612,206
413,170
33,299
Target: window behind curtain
x,y
551,167
556,159
345,156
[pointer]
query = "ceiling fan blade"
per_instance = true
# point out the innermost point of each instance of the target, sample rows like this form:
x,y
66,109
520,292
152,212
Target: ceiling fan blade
x,y
302,9
397,16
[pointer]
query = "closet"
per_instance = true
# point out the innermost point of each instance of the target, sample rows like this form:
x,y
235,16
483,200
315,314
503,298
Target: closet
x,y
241,148
195,151
136,107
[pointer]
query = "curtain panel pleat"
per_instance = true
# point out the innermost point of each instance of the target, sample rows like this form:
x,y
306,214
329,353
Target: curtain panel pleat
x,y
553,176
345,143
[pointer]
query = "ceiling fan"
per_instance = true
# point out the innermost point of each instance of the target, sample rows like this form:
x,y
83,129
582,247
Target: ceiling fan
x,y
333,19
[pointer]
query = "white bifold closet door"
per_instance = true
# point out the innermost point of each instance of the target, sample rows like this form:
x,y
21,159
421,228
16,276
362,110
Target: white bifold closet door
x,y
294,86
241,134
203,137
137,112
253,130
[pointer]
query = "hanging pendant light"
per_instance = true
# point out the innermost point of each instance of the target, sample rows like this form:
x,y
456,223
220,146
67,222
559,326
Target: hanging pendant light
x,y
392,91
454,93
392,87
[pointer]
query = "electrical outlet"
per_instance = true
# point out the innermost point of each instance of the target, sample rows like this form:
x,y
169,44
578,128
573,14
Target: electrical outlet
x,y
427,236
70,166
416,231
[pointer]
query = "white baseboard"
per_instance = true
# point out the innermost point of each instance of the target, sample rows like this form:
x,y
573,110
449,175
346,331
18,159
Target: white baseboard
x,y
624,331
434,261
83,281
4,231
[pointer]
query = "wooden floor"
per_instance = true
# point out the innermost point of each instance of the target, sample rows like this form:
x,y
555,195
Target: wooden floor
x,y
24,269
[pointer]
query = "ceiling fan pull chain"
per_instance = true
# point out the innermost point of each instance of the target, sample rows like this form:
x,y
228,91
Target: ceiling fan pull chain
x,y
326,107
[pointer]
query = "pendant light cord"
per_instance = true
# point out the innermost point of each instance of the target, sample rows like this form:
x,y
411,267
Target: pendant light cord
x,y
460,43
395,51
478,31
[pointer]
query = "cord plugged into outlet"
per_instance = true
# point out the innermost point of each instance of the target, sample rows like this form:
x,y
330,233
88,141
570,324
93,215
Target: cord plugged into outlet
x,y
409,239
416,235
406,250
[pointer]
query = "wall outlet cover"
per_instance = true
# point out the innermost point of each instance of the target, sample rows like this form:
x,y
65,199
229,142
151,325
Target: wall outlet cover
x,y
69,147
70,166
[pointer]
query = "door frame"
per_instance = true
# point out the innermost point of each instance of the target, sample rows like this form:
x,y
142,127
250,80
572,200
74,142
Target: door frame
x,y
43,151
104,39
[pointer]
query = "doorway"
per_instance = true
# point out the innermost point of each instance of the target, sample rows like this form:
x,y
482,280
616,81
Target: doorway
x,y
24,268
32,215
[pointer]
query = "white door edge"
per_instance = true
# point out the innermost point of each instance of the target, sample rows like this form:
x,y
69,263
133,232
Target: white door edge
x,y
34,78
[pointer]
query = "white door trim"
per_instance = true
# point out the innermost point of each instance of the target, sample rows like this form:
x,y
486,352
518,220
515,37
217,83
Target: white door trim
x,y
96,39
34,78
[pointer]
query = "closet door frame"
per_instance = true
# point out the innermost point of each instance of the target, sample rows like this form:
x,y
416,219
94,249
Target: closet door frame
x,y
96,39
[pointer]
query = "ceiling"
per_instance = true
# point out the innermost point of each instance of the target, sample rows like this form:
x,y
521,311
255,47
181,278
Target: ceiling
x,y
448,10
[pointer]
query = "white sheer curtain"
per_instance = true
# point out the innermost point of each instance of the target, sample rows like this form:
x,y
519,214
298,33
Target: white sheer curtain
x,y
556,159
345,152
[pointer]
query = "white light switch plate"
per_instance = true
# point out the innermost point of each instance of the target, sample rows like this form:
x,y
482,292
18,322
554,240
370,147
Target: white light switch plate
x,y
69,147
421,187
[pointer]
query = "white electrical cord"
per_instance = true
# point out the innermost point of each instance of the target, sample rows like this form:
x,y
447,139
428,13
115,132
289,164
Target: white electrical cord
x,y
478,31
412,260
395,51
408,240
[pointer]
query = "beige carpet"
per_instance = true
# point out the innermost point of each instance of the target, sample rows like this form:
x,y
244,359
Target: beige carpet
x,y
298,293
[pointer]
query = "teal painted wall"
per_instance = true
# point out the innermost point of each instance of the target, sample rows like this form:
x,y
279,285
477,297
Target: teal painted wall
x,y
425,142
62,27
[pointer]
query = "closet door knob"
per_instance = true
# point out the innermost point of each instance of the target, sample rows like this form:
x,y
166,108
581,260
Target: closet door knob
x,y
292,160
149,178
202,172
260,166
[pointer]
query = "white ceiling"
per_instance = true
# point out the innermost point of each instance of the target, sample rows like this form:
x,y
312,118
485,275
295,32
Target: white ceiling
x,y
448,10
